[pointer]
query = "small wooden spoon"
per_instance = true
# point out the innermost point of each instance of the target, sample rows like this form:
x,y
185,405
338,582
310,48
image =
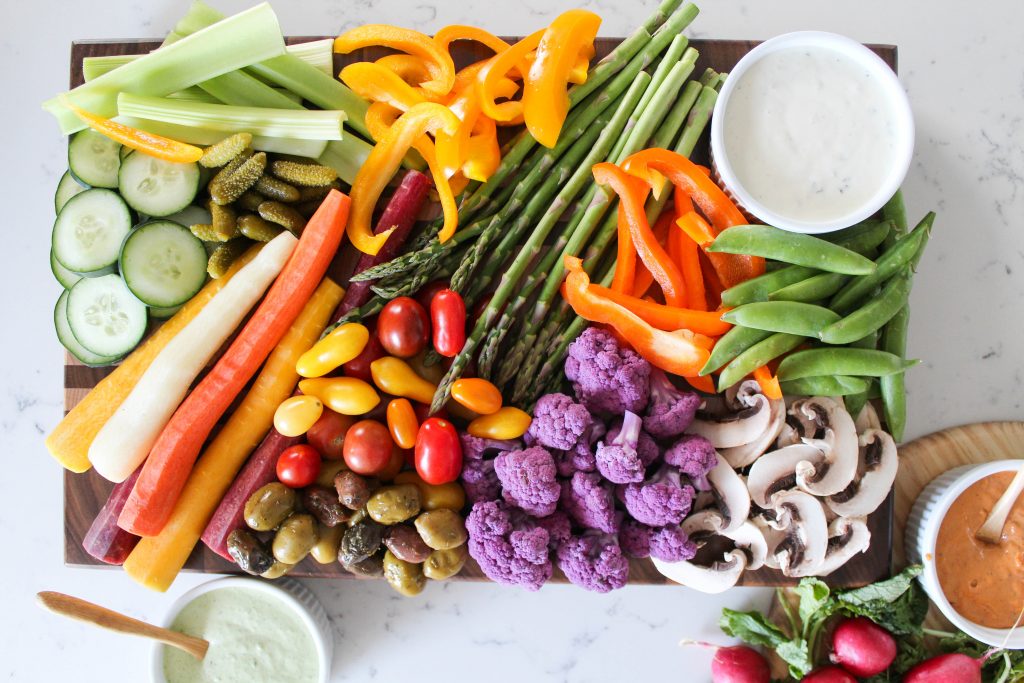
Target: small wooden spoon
x,y
76,608
992,530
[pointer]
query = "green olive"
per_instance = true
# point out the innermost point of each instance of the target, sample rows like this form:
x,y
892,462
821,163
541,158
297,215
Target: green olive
x,y
328,539
295,538
329,470
277,570
394,504
269,506
441,529
405,577
444,564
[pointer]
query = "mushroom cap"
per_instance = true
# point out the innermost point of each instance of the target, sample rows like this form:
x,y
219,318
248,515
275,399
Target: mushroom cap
x,y
717,578
777,471
867,419
747,416
802,517
741,456
847,536
750,538
731,495
773,536
836,436
876,472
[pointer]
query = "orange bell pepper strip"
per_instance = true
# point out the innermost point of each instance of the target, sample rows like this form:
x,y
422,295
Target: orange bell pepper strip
x,y
681,352
497,69
376,83
685,252
696,228
438,62
705,384
668,318
769,383
449,34
662,229
624,278
154,145
385,159
409,68
458,183
632,195
545,94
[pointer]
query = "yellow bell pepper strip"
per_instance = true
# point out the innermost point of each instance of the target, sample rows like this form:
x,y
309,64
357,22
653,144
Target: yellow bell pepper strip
x,y
148,143
438,62
632,195
345,395
382,162
681,352
409,68
686,253
484,154
339,347
768,382
156,560
668,318
545,94
507,423
497,69
394,376
457,183
380,116
452,150
378,84
720,211
449,34
581,69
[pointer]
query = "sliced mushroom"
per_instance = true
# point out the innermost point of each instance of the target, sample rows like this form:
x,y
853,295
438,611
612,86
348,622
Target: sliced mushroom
x,y
776,471
773,536
868,419
741,456
875,476
720,575
836,437
796,427
802,517
731,495
747,416
749,538
847,536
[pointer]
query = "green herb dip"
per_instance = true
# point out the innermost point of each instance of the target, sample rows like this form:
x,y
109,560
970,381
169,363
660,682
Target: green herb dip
x,y
253,637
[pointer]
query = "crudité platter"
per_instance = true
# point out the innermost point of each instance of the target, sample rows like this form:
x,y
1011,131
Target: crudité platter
x,y
680,481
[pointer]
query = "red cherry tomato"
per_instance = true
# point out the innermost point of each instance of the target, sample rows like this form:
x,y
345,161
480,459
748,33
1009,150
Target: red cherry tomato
x,y
403,327
359,367
368,447
438,451
427,292
298,466
448,315
327,435
394,466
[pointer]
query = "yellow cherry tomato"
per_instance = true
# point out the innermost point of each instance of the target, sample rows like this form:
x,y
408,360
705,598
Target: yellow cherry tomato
x,y
394,376
507,423
333,351
477,394
297,414
402,422
448,496
345,395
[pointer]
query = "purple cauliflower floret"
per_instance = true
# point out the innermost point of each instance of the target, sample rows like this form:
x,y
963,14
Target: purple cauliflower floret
x,y
607,378
618,459
590,502
659,500
559,422
558,527
646,446
529,480
580,458
669,543
695,457
594,561
479,480
475,448
510,553
670,410
635,538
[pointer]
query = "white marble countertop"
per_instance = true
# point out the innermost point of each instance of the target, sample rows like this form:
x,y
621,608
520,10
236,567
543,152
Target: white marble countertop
x,y
963,71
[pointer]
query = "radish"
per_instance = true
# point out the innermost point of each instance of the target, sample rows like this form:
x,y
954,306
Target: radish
x,y
829,674
862,647
737,664
951,668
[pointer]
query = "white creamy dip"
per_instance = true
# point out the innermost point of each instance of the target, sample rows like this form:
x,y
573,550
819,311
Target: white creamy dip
x,y
254,637
810,133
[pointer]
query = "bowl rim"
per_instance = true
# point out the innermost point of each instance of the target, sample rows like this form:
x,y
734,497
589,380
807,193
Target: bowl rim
x,y
901,111
929,536
249,583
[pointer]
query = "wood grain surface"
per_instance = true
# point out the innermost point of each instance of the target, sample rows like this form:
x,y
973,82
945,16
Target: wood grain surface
x,y
84,494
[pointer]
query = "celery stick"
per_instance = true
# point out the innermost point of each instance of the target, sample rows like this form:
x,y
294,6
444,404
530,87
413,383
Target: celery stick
x,y
204,136
346,157
282,123
242,90
193,94
250,36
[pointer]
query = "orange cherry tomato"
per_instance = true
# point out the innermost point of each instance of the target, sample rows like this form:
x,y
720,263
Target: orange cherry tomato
x,y
402,422
479,395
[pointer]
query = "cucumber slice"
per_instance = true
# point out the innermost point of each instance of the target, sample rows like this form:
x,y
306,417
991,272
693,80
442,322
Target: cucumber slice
x,y
105,317
163,264
67,188
156,187
163,313
191,215
123,152
89,230
94,158
66,278
68,341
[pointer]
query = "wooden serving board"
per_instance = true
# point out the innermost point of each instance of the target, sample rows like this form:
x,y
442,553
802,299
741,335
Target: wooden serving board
x,y
84,494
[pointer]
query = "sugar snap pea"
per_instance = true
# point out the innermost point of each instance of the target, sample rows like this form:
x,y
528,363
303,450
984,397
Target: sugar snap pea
x,y
790,247
893,387
841,361
831,385
894,259
855,402
731,344
758,288
815,288
792,317
861,237
871,316
895,211
757,355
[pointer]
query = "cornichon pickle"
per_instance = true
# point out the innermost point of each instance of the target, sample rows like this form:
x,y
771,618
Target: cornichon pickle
x,y
317,194
224,255
208,233
272,188
306,175
224,221
224,151
227,186
307,209
283,215
250,201
255,228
